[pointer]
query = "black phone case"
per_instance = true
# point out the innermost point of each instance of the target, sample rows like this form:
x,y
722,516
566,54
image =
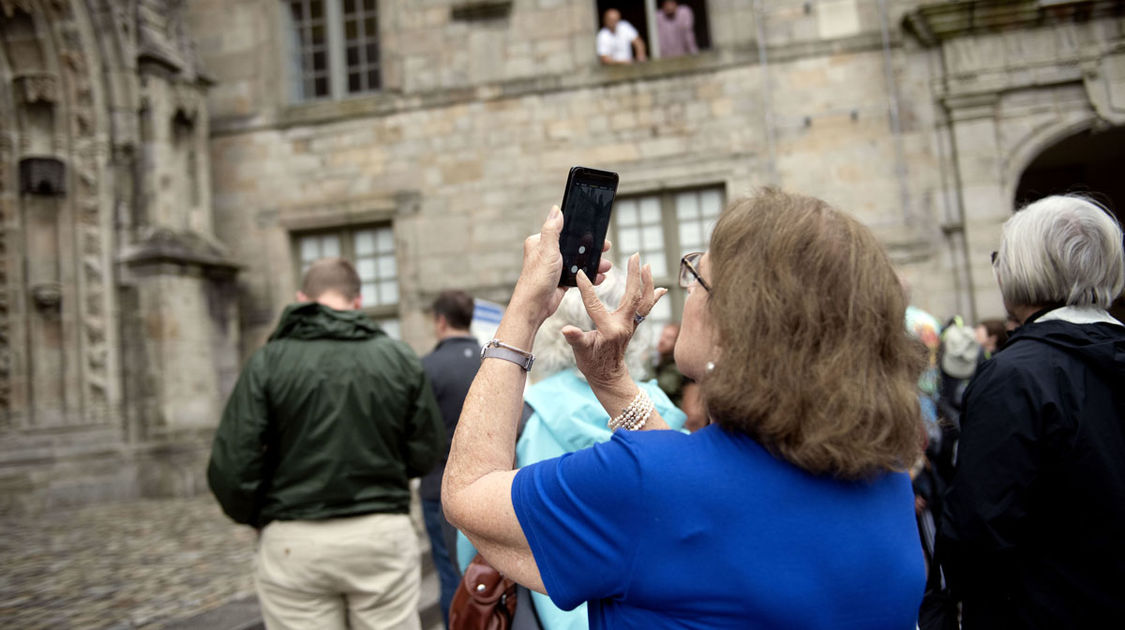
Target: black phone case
x,y
588,258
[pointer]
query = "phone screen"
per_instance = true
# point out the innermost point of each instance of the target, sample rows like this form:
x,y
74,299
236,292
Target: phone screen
x,y
586,208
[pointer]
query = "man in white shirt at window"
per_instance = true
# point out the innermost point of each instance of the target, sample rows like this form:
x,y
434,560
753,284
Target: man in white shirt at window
x,y
618,40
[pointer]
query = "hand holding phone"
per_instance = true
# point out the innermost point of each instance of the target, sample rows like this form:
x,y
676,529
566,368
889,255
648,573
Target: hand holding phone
x,y
586,207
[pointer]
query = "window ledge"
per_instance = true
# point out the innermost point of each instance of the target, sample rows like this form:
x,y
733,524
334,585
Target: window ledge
x,y
389,102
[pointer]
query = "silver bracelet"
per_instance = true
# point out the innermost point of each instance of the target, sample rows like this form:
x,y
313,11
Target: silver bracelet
x,y
635,415
496,349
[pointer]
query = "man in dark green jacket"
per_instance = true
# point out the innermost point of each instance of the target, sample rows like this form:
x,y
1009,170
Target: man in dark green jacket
x,y
322,432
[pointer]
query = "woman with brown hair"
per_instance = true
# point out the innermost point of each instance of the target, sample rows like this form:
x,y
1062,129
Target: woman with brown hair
x,y
792,510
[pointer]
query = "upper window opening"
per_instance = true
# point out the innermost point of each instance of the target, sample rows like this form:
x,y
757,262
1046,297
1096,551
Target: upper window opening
x,y
333,48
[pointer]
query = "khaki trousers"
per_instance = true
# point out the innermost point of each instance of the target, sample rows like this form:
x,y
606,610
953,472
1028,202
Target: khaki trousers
x,y
361,572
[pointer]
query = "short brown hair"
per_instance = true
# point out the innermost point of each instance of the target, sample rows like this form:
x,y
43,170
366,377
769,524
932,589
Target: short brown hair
x,y
331,274
457,308
996,328
816,363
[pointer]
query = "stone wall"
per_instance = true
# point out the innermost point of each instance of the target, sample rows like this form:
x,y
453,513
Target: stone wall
x,y
118,331
485,151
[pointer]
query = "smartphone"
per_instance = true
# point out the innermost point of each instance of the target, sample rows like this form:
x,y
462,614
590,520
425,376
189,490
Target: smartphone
x,y
586,205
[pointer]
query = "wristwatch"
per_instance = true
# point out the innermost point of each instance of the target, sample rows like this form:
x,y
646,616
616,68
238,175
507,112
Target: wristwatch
x,y
496,349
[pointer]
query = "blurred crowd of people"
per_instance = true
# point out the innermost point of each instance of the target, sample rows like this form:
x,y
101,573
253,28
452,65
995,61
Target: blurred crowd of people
x,y
805,449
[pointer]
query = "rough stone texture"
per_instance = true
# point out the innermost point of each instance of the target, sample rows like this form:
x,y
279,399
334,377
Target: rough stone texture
x,y
113,344
923,138
143,564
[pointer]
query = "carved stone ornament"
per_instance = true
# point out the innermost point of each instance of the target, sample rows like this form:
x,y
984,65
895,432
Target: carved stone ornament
x,y
8,7
37,88
47,297
1105,85
42,176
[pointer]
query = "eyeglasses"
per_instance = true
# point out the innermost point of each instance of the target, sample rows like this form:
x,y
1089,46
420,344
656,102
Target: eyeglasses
x,y
689,271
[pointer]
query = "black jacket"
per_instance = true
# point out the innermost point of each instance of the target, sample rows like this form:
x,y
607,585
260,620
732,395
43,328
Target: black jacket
x,y
330,419
1033,527
452,366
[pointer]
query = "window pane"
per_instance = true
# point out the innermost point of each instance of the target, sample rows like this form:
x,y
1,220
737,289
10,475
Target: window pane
x,y
652,237
369,5
372,79
297,10
368,294
369,28
318,35
626,212
650,210
687,206
690,237
711,203
388,293
351,30
365,267
330,246
321,86
372,53
630,242
387,267
656,261
353,55
316,8
320,60
353,83
349,6
391,327
309,249
364,242
384,241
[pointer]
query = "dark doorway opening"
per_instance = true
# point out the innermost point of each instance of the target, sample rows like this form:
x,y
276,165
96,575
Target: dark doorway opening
x,y
1090,163
633,12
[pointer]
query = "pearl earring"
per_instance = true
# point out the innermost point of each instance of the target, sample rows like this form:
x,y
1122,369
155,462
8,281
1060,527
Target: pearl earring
x,y
710,366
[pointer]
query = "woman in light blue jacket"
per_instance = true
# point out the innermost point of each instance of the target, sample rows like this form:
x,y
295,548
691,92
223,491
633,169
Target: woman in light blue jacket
x,y
565,416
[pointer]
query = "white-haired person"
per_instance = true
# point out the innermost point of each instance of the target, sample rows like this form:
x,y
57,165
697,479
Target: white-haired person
x,y
1032,527
563,414
791,510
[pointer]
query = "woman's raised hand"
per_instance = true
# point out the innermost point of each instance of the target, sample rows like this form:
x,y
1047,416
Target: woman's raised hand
x,y
537,294
600,353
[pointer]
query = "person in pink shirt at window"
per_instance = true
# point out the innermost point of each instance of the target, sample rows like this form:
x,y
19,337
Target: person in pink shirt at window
x,y
676,30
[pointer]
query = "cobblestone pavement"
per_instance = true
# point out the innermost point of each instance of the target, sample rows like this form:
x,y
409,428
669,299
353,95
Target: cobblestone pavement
x,y
124,565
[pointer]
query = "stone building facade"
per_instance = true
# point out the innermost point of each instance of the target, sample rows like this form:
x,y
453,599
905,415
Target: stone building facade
x,y
119,328
425,138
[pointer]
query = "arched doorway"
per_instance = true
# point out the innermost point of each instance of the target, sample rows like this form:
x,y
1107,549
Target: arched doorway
x,y
1090,162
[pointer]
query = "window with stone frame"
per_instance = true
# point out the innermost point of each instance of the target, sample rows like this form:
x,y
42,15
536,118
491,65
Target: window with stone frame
x,y
372,250
333,48
663,227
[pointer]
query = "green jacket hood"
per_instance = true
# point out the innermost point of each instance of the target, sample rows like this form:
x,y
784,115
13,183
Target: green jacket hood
x,y
310,320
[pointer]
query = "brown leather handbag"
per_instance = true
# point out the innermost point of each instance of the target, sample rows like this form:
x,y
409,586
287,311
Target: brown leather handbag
x,y
485,600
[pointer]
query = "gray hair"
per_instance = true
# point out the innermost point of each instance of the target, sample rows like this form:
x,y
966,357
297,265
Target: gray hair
x,y
553,353
1063,249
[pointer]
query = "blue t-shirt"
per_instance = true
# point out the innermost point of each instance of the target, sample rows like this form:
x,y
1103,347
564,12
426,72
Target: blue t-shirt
x,y
658,529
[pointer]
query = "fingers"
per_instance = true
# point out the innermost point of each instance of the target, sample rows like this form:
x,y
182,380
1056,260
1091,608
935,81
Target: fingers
x,y
630,299
606,245
578,339
603,268
594,307
553,226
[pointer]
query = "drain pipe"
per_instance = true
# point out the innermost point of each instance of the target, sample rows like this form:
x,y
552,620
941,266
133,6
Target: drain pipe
x,y
896,121
767,107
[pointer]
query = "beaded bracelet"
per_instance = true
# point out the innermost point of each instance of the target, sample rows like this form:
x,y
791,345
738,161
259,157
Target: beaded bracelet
x,y
635,415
